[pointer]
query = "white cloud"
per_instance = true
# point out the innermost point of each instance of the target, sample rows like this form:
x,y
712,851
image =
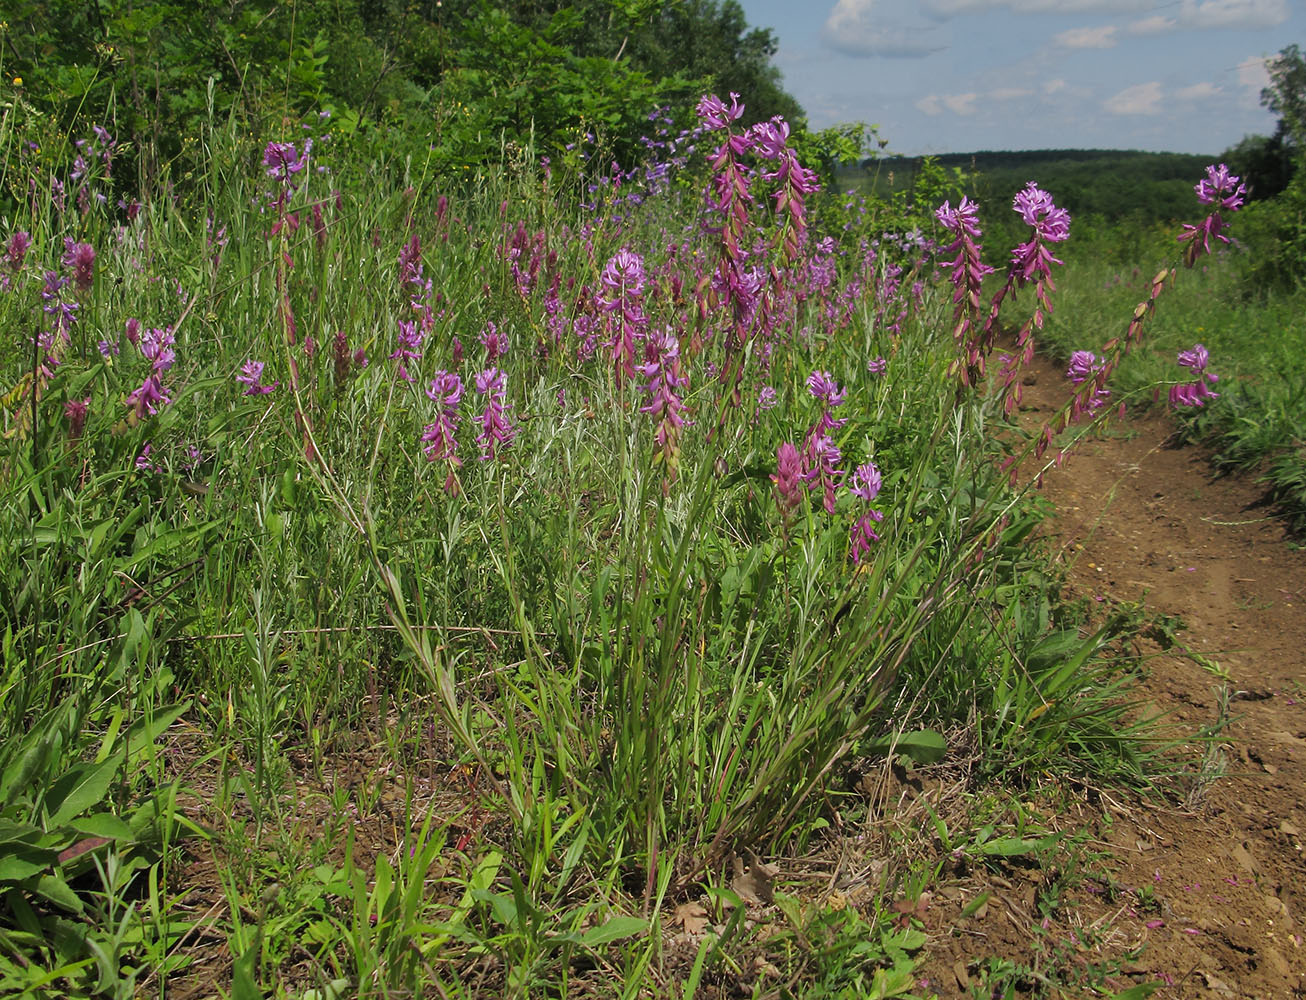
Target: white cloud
x,y
1142,99
1054,85
1087,38
1237,14
858,28
1197,92
967,105
951,8
1219,15
1253,74
1155,25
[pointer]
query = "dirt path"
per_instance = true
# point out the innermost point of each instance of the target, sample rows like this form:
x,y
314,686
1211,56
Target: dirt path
x,y
1139,520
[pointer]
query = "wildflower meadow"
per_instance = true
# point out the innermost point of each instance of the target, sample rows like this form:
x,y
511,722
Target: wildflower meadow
x,y
513,584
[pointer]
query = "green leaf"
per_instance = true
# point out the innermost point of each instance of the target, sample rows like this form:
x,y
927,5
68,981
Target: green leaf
x,y
81,787
1010,847
243,986
103,825
57,891
924,746
23,862
615,929
1140,992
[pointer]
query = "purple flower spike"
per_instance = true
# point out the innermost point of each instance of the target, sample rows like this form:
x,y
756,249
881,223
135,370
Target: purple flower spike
x,y
148,397
866,482
16,250
1221,188
821,385
496,431
440,436
1197,392
863,534
788,477
714,112
251,375
80,257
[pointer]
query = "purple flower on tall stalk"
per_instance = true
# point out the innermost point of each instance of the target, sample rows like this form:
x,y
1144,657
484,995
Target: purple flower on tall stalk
x,y
1222,190
877,366
440,436
620,299
149,396
494,342
865,484
820,461
496,431
283,161
788,477
968,271
16,249
76,410
714,113
80,257
409,349
157,347
251,375
665,380
823,386
1197,392
1085,365
1032,260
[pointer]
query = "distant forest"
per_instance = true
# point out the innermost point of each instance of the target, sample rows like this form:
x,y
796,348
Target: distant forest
x,y
1109,184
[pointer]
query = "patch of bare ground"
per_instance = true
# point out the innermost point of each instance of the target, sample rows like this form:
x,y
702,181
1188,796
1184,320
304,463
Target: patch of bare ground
x,y
1206,892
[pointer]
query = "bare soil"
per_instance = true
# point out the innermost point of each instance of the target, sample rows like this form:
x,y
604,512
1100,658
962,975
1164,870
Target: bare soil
x,y
1204,893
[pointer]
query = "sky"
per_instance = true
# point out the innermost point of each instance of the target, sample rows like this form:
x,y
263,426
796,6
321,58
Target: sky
x,y
941,76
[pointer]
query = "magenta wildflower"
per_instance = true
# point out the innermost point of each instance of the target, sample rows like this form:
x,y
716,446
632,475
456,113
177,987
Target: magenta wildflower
x,y
623,282
76,410
877,366
251,375
665,380
767,398
143,463
1197,392
863,534
149,396
821,460
788,477
409,349
714,113
496,431
440,436
1032,260
157,347
1225,192
80,257
494,342
283,160
821,385
1221,188
1085,365
968,272
866,482
16,252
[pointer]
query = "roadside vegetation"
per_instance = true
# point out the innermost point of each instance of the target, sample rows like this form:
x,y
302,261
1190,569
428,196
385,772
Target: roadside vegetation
x,y
546,578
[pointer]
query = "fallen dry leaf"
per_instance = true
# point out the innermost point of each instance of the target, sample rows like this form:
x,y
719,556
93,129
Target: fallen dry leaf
x,y
691,916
